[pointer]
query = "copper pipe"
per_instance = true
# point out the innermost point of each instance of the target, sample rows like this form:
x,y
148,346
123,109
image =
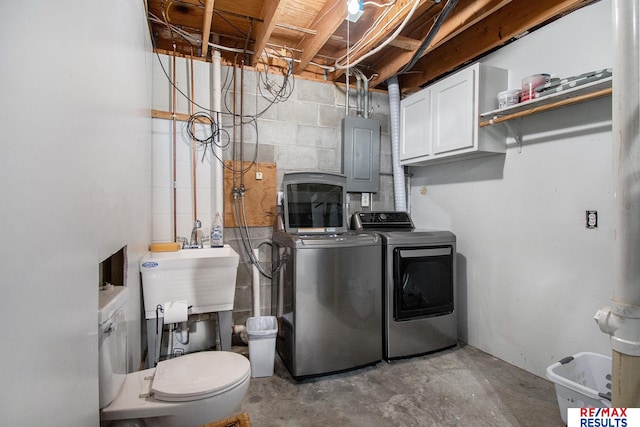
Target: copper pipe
x,y
235,157
173,111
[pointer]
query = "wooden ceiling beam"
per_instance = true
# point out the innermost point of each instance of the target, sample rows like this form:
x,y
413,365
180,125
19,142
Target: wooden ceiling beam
x,y
405,43
325,24
466,14
397,13
269,14
509,22
207,17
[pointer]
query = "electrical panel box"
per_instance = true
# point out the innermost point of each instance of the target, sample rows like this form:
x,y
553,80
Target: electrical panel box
x,y
361,154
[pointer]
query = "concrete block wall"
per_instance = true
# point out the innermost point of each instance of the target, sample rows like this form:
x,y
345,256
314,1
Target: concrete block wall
x,y
302,133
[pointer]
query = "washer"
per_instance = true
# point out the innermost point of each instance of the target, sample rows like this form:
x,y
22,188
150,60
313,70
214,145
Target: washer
x,y
419,284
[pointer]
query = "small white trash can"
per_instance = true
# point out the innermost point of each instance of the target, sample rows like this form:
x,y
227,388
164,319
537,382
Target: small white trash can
x,y
582,380
262,333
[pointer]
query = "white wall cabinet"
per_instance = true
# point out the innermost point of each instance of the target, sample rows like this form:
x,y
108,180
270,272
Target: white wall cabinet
x,y
415,125
440,123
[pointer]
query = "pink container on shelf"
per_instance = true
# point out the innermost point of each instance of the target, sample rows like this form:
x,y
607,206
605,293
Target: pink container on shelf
x,y
530,83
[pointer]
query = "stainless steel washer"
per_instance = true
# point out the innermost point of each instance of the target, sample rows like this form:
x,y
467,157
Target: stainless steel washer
x,y
419,284
328,294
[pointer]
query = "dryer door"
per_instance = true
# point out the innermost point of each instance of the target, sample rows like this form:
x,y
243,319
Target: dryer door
x,y
423,282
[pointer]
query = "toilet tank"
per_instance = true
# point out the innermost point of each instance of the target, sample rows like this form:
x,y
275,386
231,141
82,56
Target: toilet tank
x,y
112,332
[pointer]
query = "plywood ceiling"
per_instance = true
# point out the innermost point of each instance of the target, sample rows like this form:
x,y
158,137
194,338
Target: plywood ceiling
x,y
314,34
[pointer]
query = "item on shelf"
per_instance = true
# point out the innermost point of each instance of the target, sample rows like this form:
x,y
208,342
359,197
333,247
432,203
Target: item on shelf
x,y
530,83
507,98
558,85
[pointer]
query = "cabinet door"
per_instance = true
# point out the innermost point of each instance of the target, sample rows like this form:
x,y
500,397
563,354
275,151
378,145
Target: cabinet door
x,y
454,109
415,125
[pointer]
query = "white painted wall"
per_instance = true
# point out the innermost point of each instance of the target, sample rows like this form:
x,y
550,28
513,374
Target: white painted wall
x,y
76,187
531,275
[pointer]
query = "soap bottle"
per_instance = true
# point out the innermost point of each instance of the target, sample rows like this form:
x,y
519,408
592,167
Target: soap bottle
x,y
216,232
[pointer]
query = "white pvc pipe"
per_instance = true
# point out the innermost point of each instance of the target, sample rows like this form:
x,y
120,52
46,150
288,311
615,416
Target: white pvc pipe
x,y
256,285
622,320
217,167
399,192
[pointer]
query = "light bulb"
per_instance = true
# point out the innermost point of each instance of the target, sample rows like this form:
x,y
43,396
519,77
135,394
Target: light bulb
x,y
353,6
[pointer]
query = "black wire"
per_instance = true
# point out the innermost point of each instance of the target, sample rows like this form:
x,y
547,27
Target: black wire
x,y
448,7
211,139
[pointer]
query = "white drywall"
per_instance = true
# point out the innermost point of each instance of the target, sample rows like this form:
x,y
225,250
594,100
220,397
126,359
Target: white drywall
x,y
531,275
76,174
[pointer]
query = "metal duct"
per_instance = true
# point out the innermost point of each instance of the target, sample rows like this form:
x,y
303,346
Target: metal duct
x,y
399,192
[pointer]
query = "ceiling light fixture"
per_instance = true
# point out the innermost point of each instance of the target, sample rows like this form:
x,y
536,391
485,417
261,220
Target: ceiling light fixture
x,y
354,9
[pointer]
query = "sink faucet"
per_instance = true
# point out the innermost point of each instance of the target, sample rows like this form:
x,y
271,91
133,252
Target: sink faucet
x,y
196,242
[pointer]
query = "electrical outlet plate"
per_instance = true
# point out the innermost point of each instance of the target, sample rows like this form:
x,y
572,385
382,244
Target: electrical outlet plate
x,y
366,199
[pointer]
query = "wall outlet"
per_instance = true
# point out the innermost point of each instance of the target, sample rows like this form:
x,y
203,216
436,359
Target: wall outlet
x,y
592,219
258,176
366,200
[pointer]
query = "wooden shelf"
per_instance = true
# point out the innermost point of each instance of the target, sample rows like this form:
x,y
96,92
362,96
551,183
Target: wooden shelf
x,y
566,97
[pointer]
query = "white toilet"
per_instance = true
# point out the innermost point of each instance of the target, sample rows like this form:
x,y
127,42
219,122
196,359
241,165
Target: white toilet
x,y
190,390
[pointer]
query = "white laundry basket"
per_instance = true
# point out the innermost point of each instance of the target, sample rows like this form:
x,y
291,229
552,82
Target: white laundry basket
x,y
262,333
582,380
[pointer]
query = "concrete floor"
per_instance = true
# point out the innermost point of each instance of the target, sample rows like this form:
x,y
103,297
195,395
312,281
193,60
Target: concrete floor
x,y
458,387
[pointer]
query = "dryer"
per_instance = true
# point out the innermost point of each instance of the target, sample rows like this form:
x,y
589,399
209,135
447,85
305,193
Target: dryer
x,y
419,284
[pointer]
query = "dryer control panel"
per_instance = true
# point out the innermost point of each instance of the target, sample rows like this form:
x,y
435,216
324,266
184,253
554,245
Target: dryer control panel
x,y
381,221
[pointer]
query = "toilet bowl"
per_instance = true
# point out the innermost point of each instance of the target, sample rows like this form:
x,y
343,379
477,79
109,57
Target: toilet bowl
x,y
189,390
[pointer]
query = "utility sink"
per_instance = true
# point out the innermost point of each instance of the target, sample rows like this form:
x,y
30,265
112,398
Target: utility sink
x,y
205,278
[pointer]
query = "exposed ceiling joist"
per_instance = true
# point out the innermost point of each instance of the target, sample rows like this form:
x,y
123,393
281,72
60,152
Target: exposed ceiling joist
x,y
509,22
388,24
466,14
325,24
206,26
315,32
264,29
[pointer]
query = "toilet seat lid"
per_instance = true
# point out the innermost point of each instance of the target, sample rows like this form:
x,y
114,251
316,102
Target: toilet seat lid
x,y
199,375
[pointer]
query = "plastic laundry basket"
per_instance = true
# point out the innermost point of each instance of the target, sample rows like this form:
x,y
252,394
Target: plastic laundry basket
x,y
262,333
582,380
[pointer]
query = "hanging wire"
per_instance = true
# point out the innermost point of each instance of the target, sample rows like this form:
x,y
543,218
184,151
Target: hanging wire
x,y
216,137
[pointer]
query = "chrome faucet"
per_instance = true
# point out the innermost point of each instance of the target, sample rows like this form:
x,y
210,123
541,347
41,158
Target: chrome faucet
x,y
196,235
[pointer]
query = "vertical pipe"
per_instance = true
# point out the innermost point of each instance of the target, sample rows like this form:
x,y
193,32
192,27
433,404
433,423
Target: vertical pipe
x,y
626,167
358,96
193,143
256,284
366,97
242,125
235,151
174,150
218,178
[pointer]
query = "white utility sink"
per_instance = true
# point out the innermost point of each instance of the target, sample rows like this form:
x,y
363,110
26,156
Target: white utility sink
x,y
205,278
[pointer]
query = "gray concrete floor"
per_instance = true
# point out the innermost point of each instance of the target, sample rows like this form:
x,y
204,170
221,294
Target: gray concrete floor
x,y
462,386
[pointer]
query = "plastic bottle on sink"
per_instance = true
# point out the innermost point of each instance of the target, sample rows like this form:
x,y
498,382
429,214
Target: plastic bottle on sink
x,y
216,232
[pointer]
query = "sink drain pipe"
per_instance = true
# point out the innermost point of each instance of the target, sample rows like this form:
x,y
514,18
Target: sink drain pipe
x,y
622,319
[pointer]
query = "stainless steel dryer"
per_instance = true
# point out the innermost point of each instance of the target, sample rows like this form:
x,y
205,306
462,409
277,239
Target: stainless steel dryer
x,y
419,284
